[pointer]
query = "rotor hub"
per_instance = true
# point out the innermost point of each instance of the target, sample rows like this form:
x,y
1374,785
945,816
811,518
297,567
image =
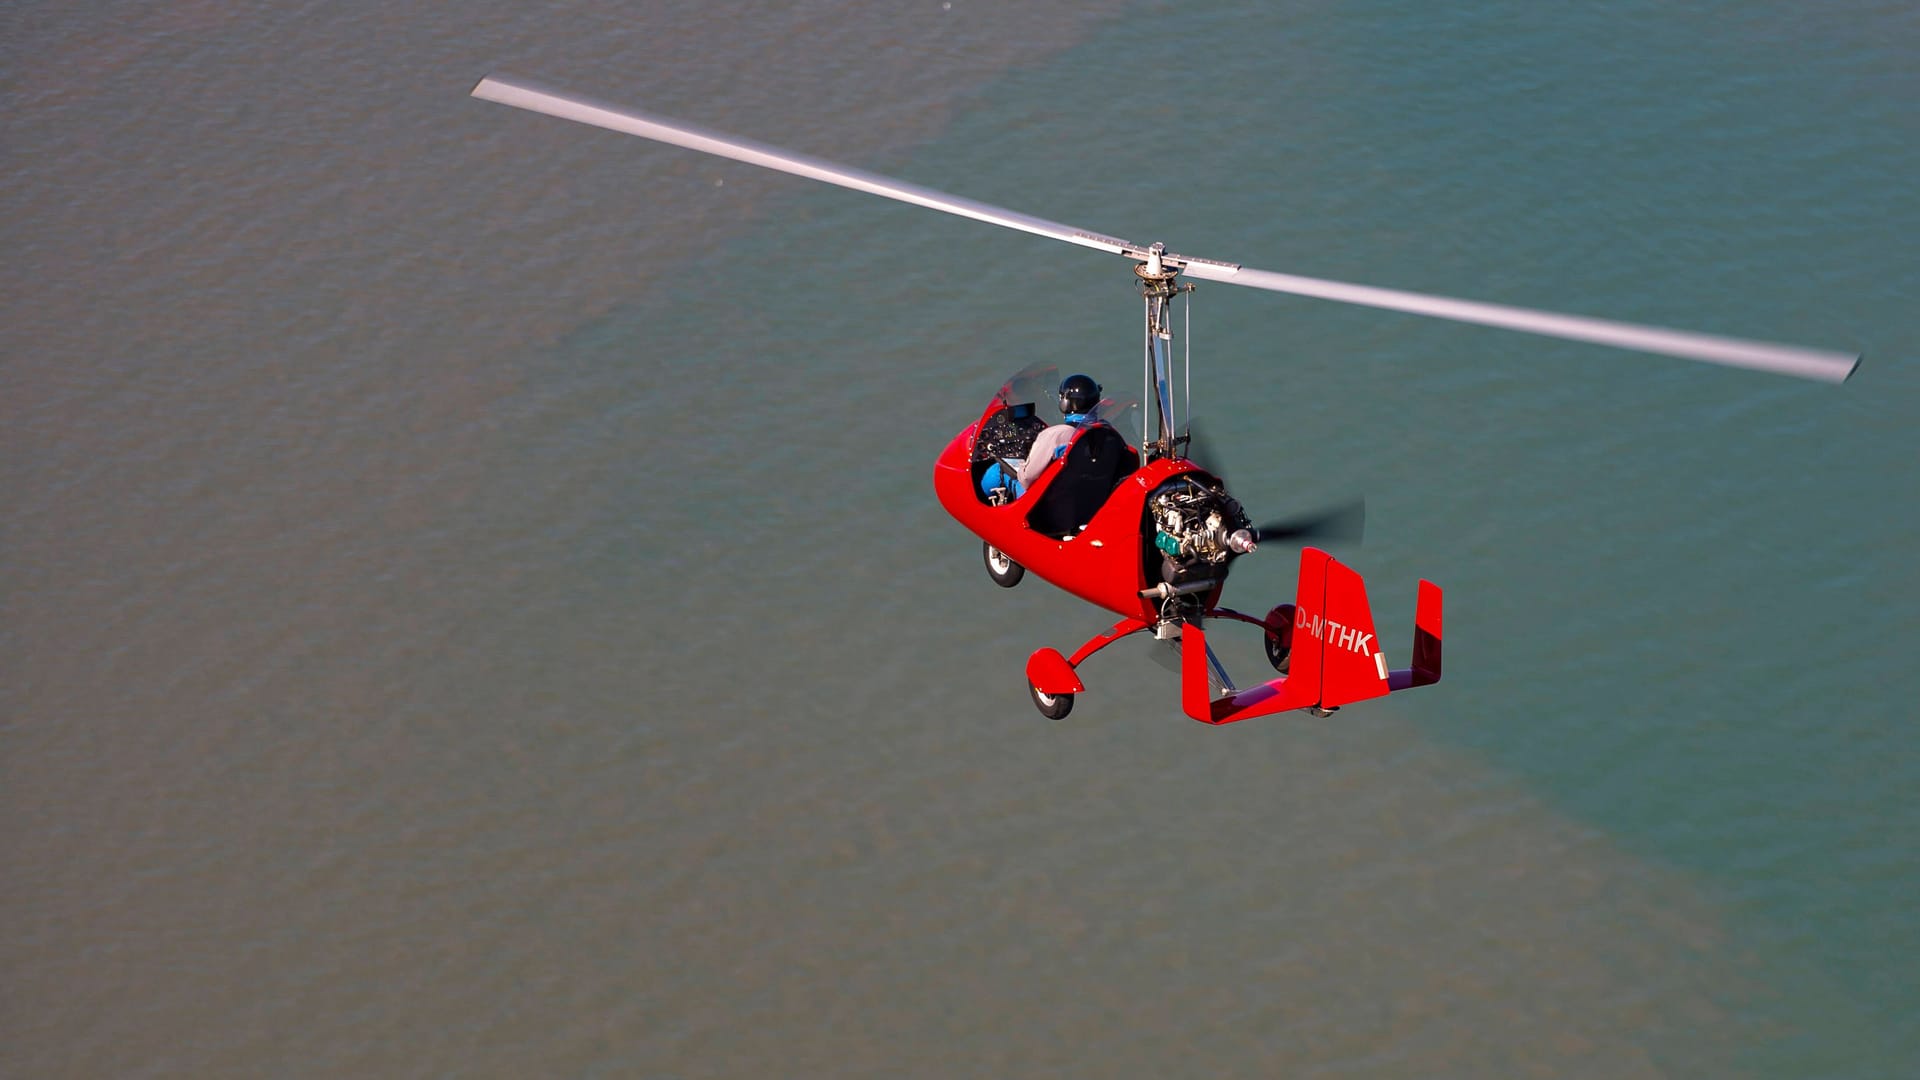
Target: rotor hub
x,y
1156,282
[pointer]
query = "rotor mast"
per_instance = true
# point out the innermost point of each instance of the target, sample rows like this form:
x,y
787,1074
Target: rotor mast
x,y
1158,287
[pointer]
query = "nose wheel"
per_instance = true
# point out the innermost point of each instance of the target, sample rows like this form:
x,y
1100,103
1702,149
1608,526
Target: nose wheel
x,y
1051,706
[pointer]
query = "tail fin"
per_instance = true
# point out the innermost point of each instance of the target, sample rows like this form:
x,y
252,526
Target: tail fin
x,y
1336,657
1352,667
1426,642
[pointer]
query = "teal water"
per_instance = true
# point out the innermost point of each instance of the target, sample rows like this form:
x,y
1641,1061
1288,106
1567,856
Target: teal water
x,y
1683,602
475,604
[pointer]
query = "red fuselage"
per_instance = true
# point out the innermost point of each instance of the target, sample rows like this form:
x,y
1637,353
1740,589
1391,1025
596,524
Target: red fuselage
x,y
1326,636
1105,564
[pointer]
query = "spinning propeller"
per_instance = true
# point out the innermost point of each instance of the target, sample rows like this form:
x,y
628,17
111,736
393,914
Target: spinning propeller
x,y
1818,364
1347,521
1344,522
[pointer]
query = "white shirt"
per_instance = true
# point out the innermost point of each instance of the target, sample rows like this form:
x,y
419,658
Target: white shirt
x,y
1046,446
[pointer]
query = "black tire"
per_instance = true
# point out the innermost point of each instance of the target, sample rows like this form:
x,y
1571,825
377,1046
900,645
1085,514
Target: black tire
x,y
1279,637
1051,706
1004,571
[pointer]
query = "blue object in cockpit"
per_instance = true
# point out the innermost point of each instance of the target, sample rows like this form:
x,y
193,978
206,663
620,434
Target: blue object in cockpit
x,y
997,476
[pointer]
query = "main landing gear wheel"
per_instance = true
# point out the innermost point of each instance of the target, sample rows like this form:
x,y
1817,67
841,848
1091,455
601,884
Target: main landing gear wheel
x,y
1279,637
1004,571
1051,706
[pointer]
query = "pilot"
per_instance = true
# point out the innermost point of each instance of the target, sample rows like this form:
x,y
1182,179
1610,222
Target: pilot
x,y
1079,395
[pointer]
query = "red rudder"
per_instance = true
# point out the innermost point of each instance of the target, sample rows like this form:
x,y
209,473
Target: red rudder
x,y
1352,667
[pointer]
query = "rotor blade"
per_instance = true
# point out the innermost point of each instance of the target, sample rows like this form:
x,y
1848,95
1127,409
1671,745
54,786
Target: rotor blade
x,y
1347,522
535,98
1820,364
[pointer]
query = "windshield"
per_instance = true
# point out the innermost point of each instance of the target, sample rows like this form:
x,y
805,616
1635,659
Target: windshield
x,y
1122,412
1033,385
1039,384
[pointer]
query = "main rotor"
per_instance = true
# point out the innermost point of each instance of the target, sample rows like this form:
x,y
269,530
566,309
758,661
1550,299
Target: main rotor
x,y
1157,269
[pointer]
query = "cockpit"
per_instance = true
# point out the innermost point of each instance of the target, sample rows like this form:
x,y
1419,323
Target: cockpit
x,y
1066,495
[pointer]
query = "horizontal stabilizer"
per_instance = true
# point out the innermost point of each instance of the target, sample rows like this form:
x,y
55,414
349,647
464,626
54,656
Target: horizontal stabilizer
x,y
1335,659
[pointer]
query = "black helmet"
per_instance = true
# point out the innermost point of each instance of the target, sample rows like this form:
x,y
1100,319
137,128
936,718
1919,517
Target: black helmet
x,y
1079,394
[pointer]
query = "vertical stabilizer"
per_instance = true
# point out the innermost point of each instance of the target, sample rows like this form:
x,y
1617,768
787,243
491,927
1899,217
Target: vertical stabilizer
x,y
1426,642
1309,602
1352,667
1335,658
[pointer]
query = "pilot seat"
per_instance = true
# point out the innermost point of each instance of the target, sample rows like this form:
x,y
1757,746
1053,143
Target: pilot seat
x,y
1097,461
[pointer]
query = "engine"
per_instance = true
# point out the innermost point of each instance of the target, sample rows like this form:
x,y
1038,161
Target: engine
x,y
1197,528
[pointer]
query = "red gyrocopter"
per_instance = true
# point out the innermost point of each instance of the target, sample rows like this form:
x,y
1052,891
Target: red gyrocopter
x,y
1141,528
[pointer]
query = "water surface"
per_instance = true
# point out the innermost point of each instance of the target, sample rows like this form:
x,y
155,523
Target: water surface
x,y
473,601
